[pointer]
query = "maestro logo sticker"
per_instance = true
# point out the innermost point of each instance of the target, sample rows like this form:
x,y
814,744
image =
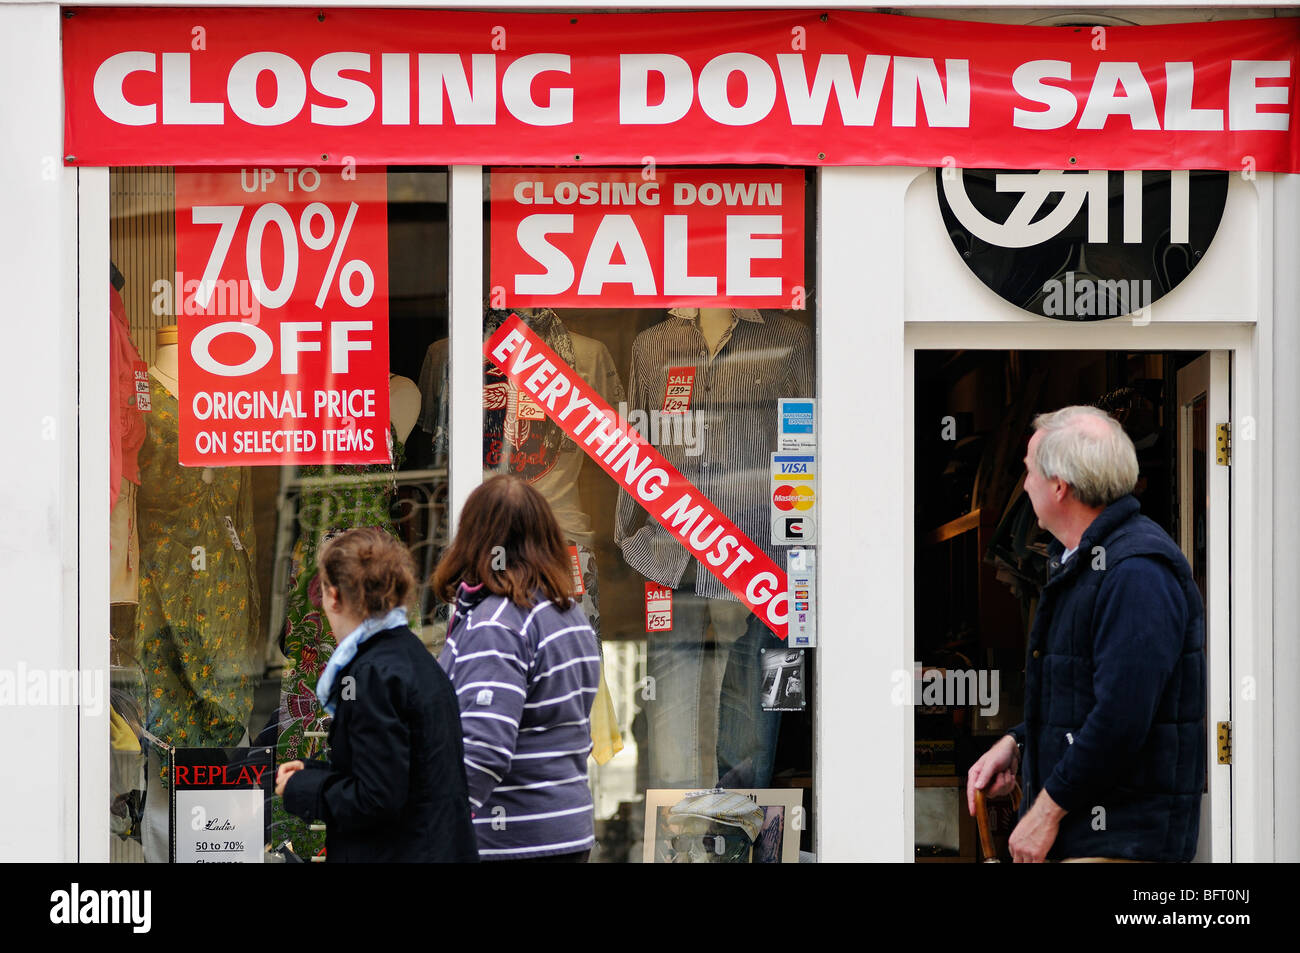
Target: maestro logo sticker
x,y
1085,245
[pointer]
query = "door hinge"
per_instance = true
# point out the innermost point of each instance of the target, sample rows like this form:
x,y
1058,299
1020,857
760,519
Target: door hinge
x,y
1223,444
1225,742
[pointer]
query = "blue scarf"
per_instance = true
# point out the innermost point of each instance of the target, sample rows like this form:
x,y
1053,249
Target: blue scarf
x,y
347,651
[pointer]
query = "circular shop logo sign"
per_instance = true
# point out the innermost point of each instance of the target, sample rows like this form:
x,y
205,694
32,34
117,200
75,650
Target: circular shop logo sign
x,y
1081,246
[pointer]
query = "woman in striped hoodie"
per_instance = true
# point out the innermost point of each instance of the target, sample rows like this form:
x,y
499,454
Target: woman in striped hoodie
x,y
525,664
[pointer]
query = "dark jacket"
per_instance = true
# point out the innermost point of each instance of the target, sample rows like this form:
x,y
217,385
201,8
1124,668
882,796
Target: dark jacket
x,y
394,789
1114,725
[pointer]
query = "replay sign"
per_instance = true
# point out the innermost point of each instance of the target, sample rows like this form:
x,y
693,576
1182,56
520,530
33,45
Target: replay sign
x,y
1081,246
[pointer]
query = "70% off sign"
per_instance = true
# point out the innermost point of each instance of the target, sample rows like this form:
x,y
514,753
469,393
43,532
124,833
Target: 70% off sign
x,y
284,317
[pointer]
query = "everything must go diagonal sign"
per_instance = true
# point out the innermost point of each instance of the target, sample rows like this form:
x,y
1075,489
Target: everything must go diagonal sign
x,y
686,513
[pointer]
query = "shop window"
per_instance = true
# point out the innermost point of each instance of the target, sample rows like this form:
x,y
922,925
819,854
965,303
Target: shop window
x,y
236,454
701,699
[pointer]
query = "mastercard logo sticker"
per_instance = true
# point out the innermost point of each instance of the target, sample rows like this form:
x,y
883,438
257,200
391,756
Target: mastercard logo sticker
x,y
793,497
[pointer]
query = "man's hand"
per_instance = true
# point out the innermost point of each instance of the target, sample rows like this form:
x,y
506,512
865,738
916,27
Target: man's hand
x,y
994,773
1036,832
284,773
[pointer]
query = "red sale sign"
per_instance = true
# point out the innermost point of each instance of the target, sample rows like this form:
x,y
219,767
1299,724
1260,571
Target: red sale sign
x,y
297,86
641,470
281,296
629,238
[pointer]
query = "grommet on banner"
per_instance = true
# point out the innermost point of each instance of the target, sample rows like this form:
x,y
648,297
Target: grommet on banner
x,y
821,155
324,156
577,158
320,16
825,17
1073,160
69,158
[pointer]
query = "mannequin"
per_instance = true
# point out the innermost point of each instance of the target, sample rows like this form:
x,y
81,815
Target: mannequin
x,y
714,324
198,620
403,405
166,365
738,363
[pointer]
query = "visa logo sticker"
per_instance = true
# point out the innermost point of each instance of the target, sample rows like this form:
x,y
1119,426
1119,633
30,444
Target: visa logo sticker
x,y
794,499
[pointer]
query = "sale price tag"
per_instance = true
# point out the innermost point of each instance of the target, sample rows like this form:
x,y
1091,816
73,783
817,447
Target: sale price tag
x,y
281,296
658,608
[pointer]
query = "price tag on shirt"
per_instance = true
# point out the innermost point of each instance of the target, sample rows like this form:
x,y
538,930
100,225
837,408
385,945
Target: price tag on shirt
x,y
658,608
140,374
575,566
525,407
677,393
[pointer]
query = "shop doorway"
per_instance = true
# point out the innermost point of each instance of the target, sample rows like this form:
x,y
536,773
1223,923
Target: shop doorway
x,y
980,556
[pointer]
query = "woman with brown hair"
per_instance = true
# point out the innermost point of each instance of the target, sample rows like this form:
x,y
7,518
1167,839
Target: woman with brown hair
x,y
394,788
525,665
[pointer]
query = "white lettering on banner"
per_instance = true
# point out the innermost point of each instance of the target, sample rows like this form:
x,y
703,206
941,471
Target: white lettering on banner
x,y
1137,102
439,72
634,107
748,237
178,107
687,514
1245,95
473,97
241,88
833,74
107,88
913,77
926,91
358,98
517,90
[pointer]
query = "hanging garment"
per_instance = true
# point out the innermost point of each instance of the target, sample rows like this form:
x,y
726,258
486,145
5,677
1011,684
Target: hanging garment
x,y
198,617
732,401
126,423
126,434
124,548
518,438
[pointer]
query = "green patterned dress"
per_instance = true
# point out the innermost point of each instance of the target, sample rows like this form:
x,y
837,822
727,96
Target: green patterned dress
x,y
197,623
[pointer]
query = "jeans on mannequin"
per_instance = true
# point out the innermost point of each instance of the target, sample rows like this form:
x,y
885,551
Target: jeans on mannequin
x,y
696,702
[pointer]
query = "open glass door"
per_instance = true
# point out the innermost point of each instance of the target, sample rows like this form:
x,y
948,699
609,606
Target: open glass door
x,y
1203,403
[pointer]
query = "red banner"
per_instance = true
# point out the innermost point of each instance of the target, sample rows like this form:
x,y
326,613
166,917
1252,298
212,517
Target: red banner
x,y
297,86
281,295
640,470
634,238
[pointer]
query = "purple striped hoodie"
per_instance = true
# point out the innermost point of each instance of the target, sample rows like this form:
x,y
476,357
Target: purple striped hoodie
x,y
525,680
